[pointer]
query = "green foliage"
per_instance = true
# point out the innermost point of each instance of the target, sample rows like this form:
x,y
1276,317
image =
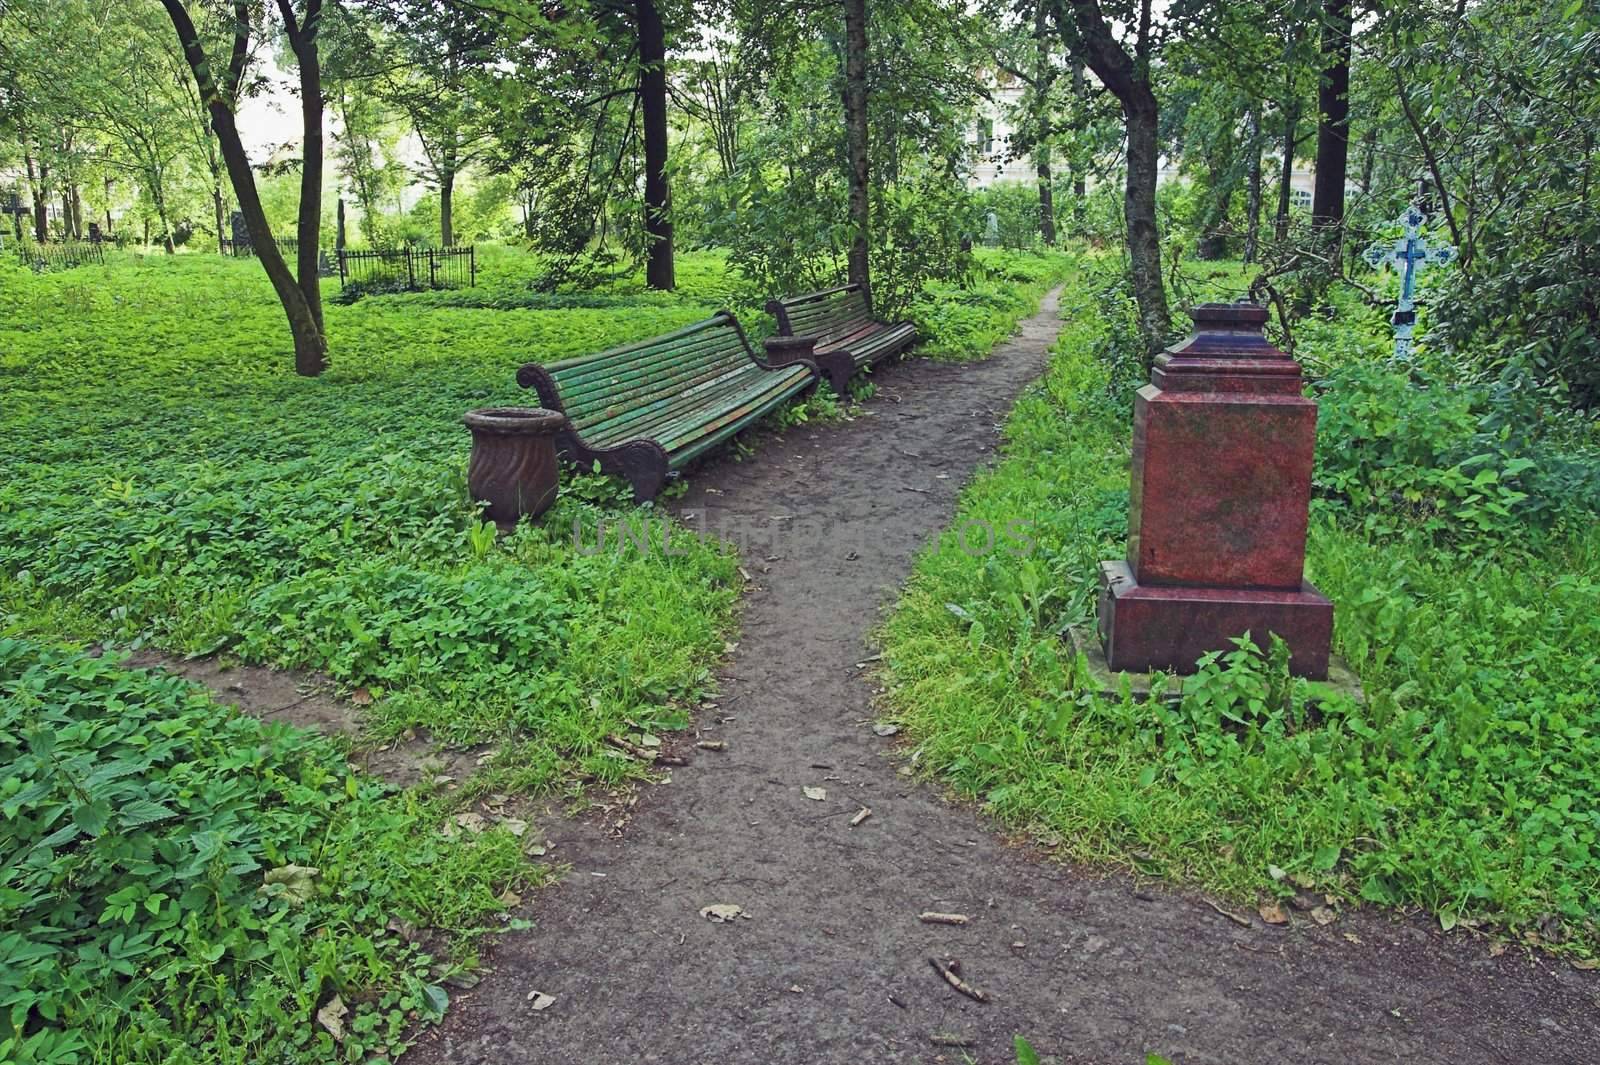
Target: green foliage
x,y
177,487
1014,208
1406,456
965,322
184,884
1458,785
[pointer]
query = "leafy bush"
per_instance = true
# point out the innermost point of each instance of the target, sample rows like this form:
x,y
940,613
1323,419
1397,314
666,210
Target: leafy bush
x,y
1015,209
1407,456
966,321
179,883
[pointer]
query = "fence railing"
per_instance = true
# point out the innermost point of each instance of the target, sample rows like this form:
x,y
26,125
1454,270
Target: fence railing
x,y
288,247
61,256
415,268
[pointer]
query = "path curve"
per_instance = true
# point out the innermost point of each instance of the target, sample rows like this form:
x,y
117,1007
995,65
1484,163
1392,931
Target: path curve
x,y
832,964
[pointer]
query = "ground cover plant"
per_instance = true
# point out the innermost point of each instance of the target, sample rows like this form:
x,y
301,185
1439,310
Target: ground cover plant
x,y
185,884
1466,573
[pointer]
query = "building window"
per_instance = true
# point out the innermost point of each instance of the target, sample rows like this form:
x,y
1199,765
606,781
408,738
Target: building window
x,y
986,136
1300,198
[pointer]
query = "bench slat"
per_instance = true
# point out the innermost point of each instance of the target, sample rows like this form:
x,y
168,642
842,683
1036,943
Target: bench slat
x,y
646,408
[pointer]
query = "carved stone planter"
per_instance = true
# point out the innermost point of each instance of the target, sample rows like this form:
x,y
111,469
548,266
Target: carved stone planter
x,y
781,350
513,466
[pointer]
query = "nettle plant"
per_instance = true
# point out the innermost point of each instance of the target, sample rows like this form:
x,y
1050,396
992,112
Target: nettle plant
x,y
181,883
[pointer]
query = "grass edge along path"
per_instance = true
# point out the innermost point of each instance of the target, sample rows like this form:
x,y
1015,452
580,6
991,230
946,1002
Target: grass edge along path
x,y
1461,787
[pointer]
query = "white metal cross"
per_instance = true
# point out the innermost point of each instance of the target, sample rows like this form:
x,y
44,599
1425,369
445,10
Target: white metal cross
x,y
1408,254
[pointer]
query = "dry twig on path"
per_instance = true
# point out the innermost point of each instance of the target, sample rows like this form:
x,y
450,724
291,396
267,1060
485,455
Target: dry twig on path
x,y
956,982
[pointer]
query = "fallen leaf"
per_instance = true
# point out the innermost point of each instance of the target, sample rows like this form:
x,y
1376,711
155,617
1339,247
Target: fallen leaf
x,y
361,697
472,821
509,898
1352,937
331,1017
649,740
885,730
815,793
796,989
1496,949
536,850
1586,964
1323,915
539,1001
723,912
1276,872
1272,913
515,825
293,883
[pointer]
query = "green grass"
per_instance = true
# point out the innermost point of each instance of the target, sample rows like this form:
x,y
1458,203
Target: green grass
x,y
1465,785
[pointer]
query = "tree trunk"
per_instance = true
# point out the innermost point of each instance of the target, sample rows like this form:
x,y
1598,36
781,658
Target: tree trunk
x,y
855,124
447,201
1041,122
303,40
219,209
1139,205
1252,205
159,195
305,325
66,215
1128,79
658,271
1369,157
1291,122
1080,180
38,189
77,210
1333,120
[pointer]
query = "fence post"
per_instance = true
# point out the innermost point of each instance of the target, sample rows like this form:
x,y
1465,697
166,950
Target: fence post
x,y
472,261
411,274
433,269
341,267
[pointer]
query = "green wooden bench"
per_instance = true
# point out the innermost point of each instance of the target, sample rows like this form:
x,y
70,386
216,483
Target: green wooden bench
x,y
848,338
644,410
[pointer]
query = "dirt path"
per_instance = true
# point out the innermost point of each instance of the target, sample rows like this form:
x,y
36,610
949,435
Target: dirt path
x,y
832,965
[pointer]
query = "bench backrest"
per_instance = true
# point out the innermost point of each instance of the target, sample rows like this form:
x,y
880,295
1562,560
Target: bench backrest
x,y
597,388
834,312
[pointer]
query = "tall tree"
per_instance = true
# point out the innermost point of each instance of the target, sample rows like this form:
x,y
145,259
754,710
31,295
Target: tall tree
x,y
658,270
1128,77
1333,119
856,142
301,296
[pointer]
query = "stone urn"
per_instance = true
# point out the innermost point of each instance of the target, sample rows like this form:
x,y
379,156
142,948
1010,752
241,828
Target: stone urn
x,y
781,351
513,466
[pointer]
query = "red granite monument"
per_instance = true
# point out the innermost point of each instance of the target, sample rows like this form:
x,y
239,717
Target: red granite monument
x,y
1223,442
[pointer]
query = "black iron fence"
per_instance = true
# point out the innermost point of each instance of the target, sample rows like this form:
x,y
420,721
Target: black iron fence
x,y
413,268
288,247
60,256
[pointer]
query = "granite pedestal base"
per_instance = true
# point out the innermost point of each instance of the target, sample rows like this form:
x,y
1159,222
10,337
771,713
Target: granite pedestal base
x,y
1147,628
